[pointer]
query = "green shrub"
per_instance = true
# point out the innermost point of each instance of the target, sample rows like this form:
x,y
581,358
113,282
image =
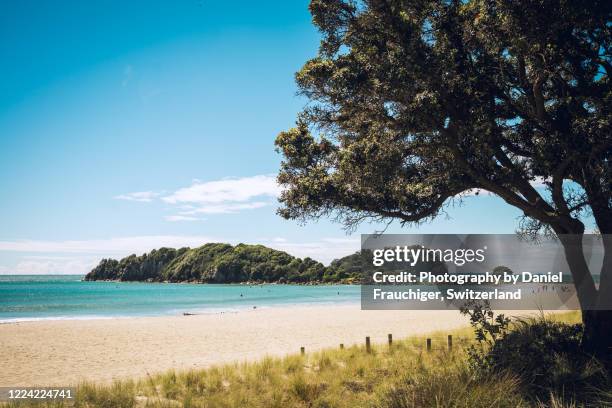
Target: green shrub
x,y
545,355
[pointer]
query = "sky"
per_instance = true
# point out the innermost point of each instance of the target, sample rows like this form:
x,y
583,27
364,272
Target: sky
x,y
127,126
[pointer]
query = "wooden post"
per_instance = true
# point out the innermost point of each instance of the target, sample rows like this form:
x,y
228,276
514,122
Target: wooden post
x,y
390,337
368,349
341,346
302,350
428,344
450,341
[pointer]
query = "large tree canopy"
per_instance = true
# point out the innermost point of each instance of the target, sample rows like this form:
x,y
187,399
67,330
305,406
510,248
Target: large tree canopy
x,y
413,103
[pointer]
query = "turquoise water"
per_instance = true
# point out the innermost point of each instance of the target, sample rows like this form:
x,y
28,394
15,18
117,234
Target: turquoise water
x,y
31,297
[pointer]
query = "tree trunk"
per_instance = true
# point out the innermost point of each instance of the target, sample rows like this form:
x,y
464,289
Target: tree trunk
x,y
596,304
597,338
598,323
581,275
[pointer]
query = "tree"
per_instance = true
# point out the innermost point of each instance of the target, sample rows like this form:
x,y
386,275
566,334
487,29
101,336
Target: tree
x,y
418,102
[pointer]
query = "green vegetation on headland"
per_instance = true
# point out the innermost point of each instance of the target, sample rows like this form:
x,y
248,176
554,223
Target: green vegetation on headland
x,y
404,375
224,263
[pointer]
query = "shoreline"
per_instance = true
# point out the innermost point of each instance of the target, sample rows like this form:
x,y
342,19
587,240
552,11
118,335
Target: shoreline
x,y
244,283
186,313
67,352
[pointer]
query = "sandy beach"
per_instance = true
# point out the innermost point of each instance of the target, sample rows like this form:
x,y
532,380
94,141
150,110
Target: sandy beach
x,y
65,352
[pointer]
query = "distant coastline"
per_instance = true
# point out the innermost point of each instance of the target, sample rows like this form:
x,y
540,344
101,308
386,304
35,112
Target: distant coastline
x,y
224,263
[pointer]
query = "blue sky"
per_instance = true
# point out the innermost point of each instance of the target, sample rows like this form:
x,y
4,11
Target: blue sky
x,y
125,126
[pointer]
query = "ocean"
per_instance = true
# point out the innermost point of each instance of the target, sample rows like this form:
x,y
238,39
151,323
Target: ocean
x,y
37,297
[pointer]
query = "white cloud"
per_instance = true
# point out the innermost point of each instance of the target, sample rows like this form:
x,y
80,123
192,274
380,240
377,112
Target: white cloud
x,y
118,246
226,208
226,191
324,250
226,196
141,196
176,218
50,267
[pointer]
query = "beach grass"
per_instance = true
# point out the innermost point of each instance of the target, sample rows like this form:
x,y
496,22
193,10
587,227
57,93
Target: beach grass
x,y
402,375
